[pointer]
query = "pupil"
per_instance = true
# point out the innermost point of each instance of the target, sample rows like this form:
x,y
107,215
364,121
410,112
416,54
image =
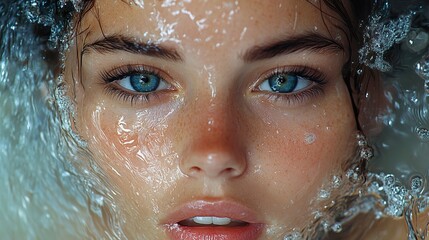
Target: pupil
x,y
144,79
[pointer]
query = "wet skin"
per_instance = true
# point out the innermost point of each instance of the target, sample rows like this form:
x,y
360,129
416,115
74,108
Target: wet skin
x,y
213,130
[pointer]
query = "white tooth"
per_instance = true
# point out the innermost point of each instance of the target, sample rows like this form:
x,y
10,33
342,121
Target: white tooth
x,y
203,220
221,221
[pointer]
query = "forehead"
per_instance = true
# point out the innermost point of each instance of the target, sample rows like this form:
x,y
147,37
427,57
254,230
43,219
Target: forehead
x,y
204,21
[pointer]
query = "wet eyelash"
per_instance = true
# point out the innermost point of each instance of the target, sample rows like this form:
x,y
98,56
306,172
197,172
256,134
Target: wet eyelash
x,y
307,73
130,97
109,77
127,70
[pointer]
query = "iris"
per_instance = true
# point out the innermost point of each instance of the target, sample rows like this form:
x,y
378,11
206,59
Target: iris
x,y
283,82
145,82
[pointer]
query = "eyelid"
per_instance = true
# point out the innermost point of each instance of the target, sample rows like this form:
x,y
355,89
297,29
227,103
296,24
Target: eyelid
x,y
121,72
305,72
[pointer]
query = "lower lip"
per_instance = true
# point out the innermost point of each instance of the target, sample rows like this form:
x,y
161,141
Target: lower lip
x,y
249,232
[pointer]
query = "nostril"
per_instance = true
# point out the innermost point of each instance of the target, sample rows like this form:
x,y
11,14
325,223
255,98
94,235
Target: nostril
x,y
213,164
195,169
229,171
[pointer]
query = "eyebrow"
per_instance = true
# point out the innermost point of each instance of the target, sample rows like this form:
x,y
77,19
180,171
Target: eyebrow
x,y
305,42
113,43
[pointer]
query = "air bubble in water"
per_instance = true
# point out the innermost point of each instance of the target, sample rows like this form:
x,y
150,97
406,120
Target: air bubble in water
x,y
423,134
416,185
366,153
336,182
324,194
337,227
417,40
380,35
359,71
422,67
389,180
293,236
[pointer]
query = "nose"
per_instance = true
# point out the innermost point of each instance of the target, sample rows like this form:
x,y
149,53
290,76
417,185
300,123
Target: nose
x,y
214,146
213,164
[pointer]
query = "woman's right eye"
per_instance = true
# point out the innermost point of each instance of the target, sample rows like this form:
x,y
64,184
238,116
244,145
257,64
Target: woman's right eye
x,y
284,82
143,82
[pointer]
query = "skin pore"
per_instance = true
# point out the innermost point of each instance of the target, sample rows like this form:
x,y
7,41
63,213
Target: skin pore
x,y
214,127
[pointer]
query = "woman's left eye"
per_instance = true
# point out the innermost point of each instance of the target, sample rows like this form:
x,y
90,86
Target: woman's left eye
x,y
143,82
284,83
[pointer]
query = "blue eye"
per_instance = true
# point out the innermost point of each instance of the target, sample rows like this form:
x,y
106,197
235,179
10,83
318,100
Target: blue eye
x,y
142,82
284,83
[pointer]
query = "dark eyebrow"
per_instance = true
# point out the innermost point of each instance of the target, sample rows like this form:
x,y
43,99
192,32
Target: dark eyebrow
x,y
114,43
308,41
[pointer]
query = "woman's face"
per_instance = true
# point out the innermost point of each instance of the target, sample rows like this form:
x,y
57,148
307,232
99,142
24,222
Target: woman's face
x,y
236,110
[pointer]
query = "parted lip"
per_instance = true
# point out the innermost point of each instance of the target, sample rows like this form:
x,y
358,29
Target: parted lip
x,y
221,208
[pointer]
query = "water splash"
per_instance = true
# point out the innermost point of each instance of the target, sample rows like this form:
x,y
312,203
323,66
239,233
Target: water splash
x,y
385,193
422,69
380,35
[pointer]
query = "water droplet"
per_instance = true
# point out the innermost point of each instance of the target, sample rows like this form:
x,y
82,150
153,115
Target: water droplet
x,y
416,184
422,67
361,140
324,194
359,71
380,36
366,152
336,181
309,138
389,180
293,236
423,134
417,40
337,227
427,85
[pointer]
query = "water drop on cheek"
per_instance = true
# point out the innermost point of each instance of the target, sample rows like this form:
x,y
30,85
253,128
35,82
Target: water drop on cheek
x,y
309,138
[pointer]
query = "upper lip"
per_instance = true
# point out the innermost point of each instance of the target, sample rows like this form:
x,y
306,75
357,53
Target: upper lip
x,y
223,208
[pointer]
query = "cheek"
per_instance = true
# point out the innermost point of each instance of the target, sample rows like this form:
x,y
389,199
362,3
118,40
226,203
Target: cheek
x,y
131,147
297,152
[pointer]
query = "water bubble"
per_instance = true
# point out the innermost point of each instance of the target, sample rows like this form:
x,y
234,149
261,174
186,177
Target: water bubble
x,y
417,40
309,138
359,71
380,35
337,227
325,225
353,175
374,187
324,194
423,134
336,181
416,185
361,140
422,67
293,236
389,180
426,86
366,152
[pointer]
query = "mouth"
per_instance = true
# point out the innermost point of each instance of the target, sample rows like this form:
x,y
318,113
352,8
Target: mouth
x,y
213,220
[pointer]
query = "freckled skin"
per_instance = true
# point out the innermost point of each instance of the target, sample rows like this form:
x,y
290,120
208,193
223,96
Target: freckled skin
x,y
176,147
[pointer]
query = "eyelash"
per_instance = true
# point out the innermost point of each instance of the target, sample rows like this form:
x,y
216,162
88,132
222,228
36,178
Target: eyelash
x,y
109,77
301,96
